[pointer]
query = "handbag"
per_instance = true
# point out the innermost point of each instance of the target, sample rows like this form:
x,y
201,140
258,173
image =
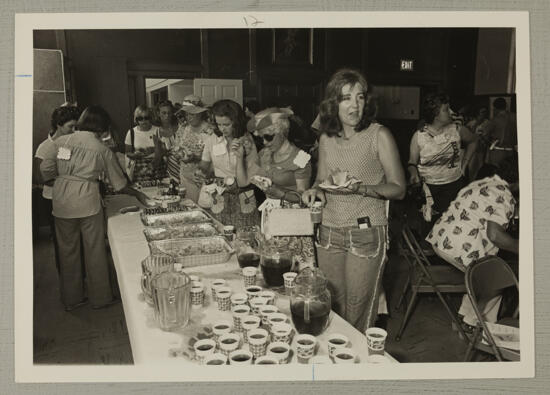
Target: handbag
x,y
281,221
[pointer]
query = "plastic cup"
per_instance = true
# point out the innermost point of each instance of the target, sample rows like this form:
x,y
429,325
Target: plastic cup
x,y
229,342
305,346
249,276
239,312
240,357
203,348
215,359
376,340
223,296
248,323
279,350
281,332
344,355
257,342
265,310
336,340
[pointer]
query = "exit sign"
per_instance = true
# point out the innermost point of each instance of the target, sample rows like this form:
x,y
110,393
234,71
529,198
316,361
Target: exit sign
x,y
407,65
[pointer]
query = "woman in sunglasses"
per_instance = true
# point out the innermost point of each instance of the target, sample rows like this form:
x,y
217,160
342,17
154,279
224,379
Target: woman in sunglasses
x,y
142,150
284,171
356,151
226,155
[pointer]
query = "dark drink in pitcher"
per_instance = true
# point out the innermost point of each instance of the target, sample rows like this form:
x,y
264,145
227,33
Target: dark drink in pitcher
x,y
274,268
318,317
248,259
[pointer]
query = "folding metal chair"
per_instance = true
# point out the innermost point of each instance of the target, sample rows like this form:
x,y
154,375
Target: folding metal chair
x,y
427,278
486,279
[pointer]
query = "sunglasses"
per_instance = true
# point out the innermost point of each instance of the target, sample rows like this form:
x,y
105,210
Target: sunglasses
x,y
268,137
145,118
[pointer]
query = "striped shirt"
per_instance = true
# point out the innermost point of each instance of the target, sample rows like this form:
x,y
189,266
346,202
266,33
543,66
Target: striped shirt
x,y
359,157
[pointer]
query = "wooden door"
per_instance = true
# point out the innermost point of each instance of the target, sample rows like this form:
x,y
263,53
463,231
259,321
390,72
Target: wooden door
x,y
211,90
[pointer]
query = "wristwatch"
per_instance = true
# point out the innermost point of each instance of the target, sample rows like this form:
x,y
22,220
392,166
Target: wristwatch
x,y
364,193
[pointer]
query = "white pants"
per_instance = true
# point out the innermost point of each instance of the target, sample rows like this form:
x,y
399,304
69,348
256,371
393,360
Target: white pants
x,y
490,310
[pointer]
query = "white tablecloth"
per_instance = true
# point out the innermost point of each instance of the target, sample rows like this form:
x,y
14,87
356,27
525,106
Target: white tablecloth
x,y
151,345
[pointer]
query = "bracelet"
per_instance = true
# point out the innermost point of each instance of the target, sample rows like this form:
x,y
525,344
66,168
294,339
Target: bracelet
x,y
412,164
365,193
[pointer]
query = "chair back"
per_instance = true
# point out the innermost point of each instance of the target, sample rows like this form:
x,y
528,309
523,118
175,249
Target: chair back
x,y
488,277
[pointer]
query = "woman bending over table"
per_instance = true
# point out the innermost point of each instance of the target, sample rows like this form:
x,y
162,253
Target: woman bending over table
x,y
77,164
225,156
286,166
353,234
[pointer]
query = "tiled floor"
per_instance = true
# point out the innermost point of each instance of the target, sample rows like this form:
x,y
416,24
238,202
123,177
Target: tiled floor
x,y
87,336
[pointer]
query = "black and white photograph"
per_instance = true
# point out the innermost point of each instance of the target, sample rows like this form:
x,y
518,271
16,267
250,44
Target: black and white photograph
x,y
264,189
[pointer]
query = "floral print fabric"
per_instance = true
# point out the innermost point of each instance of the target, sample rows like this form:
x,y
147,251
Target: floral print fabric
x,y
461,232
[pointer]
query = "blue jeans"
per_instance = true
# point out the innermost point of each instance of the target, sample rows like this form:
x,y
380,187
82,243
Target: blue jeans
x,y
353,260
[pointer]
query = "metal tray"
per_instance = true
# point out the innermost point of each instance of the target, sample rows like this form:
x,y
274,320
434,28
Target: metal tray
x,y
180,231
198,251
175,218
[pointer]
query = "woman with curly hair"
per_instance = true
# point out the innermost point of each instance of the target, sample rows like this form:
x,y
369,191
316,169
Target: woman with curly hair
x,y
353,233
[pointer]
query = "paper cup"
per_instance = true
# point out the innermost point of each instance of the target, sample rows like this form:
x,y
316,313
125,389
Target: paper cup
x,y
248,323
265,311
256,303
257,342
219,282
215,359
275,318
252,291
203,348
376,339
229,342
220,328
249,276
267,360
344,355
223,296
239,312
238,298
197,295
268,295
336,340
279,350
289,281
281,332
240,357
305,346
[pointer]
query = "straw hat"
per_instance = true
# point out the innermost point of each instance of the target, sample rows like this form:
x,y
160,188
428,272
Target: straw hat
x,y
192,104
267,117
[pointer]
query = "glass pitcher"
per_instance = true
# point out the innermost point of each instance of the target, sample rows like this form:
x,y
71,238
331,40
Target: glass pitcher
x,y
275,259
151,266
172,299
310,302
247,246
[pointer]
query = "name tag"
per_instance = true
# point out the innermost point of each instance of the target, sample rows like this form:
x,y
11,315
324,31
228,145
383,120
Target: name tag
x,y
363,223
219,149
63,153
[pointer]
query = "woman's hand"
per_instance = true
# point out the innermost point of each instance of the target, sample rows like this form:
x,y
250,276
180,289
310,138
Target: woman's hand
x,y
144,199
199,177
238,148
414,177
309,196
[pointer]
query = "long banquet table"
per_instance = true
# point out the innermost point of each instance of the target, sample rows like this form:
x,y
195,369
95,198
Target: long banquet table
x,y
151,345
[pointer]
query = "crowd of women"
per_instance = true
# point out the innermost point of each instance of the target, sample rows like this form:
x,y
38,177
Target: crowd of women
x,y
218,153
